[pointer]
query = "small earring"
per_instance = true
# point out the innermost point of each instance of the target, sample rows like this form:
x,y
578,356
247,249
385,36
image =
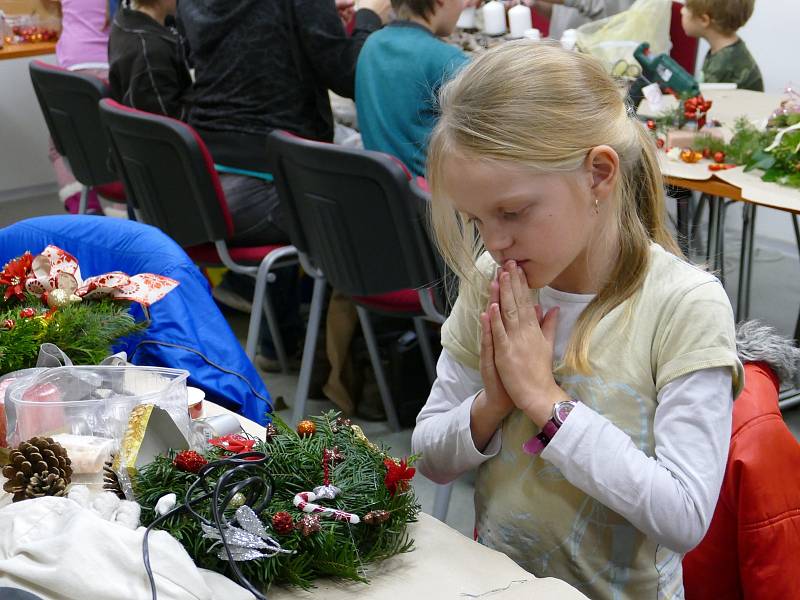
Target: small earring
x,y
596,206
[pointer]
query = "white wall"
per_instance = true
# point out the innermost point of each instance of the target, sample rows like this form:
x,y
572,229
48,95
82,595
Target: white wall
x,y
24,167
771,35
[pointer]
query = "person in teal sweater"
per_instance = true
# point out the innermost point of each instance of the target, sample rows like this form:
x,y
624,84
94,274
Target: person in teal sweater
x,y
398,75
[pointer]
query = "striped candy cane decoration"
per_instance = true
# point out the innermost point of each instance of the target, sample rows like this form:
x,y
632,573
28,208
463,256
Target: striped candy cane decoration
x,y
304,501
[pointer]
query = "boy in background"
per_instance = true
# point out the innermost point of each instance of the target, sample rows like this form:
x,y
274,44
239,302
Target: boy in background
x,y
148,69
398,76
728,60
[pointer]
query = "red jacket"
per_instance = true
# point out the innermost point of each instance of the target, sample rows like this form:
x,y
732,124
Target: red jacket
x,y
752,547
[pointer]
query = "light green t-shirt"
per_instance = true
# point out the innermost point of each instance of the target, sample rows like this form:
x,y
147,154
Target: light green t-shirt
x,y
679,322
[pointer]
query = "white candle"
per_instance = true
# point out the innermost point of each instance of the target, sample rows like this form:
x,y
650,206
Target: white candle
x,y
494,18
467,19
519,19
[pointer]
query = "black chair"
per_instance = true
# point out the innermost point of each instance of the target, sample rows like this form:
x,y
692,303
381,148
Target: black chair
x,y
358,220
69,104
172,184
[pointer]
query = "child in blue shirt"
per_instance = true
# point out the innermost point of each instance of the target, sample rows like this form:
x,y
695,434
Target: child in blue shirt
x,y
398,76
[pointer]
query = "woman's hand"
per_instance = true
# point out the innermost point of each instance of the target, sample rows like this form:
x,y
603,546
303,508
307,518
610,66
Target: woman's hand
x,y
522,343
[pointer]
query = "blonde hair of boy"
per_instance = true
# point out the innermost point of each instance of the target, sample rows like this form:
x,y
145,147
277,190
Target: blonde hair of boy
x,y
727,16
534,104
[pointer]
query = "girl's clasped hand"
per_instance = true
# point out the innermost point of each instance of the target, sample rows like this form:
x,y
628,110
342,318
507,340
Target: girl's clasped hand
x,y
517,341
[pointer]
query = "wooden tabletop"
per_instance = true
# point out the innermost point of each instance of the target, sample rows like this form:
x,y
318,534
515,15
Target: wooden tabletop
x,y
23,50
713,186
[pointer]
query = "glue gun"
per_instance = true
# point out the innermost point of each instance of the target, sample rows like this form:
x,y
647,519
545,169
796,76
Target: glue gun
x,y
663,70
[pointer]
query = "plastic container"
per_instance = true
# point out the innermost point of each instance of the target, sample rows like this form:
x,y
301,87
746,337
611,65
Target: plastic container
x,y
195,399
30,29
90,401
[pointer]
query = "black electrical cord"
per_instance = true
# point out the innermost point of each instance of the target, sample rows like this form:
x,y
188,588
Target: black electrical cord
x,y
257,489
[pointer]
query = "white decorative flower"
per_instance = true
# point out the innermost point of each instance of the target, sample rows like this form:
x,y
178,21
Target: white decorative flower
x,y
166,503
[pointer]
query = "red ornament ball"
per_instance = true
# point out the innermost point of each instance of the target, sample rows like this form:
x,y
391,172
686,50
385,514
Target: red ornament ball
x,y
282,523
189,460
27,313
308,524
651,124
9,324
306,428
719,157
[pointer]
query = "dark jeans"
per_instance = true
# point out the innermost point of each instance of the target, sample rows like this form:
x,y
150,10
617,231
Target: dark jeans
x,y
255,210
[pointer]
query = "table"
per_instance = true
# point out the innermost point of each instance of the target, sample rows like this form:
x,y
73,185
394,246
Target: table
x,y
444,564
22,50
718,190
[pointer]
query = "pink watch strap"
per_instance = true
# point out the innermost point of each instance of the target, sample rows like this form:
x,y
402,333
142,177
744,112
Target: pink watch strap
x,y
538,442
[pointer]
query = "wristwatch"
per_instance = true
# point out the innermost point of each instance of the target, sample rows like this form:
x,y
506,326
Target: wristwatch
x,y
539,442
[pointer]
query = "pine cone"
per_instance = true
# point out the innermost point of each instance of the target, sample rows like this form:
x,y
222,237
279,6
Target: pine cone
x,y
111,480
38,467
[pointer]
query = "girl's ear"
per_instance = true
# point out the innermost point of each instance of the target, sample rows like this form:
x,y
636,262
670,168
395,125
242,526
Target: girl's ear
x,y
602,163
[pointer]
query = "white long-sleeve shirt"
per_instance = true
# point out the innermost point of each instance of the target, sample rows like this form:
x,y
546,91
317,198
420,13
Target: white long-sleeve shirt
x,y
670,496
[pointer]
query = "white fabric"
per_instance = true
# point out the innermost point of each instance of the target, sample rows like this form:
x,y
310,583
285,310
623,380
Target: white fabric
x,y
55,548
671,498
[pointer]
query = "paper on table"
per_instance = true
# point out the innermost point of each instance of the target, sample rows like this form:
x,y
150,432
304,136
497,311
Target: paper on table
x,y
444,565
762,192
677,168
728,105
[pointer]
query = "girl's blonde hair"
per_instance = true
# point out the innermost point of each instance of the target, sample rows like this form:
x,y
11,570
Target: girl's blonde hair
x,y
538,106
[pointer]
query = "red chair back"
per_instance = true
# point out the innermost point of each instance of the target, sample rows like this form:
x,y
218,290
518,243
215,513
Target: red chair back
x,y
684,48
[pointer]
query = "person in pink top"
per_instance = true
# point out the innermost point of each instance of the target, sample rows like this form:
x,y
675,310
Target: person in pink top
x,y
82,46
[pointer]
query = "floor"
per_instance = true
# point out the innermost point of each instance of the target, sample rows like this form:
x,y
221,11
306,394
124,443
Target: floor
x,y
775,298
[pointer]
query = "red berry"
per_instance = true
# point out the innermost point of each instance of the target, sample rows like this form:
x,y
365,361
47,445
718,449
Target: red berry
x,y
719,157
651,125
706,152
660,143
282,523
189,460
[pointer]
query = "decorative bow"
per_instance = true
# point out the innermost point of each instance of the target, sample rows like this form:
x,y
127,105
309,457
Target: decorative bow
x,y
696,109
56,277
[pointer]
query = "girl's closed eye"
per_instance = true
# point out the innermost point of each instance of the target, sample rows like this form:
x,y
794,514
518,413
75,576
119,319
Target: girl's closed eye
x,y
510,215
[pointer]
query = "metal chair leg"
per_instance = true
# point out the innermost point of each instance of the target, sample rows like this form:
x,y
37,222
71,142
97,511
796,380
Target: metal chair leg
x,y
309,346
84,200
380,377
746,261
254,327
425,347
441,501
277,340
797,239
697,216
713,232
261,301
